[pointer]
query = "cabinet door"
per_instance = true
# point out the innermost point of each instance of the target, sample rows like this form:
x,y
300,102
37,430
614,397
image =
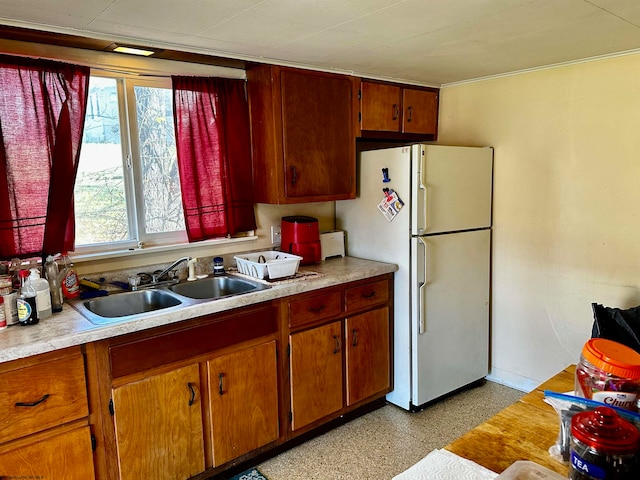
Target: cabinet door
x,y
316,374
67,455
159,426
367,355
317,137
420,111
380,107
243,393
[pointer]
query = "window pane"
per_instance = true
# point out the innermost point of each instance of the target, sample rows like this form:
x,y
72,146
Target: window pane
x,y
100,204
159,167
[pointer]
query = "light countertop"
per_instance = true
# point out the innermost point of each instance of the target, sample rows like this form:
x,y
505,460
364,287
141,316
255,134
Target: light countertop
x,y
69,328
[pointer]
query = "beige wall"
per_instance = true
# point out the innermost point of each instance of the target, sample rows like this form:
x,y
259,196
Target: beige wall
x,y
566,203
266,215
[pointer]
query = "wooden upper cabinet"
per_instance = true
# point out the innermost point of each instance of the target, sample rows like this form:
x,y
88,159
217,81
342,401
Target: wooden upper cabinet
x,y
303,142
420,111
398,111
381,107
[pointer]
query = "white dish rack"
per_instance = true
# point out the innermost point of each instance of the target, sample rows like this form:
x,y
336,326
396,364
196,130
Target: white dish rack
x,y
270,264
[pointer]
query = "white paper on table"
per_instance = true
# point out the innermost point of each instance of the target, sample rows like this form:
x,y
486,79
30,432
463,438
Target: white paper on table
x,y
444,465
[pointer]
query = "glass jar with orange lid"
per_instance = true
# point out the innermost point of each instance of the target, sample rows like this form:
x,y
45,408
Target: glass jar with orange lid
x,y
609,372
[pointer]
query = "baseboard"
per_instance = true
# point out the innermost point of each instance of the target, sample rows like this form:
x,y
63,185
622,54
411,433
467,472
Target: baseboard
x,y
510,379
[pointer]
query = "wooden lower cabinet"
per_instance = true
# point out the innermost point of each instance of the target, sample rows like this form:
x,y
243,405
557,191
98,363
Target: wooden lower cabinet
x,y
44,427
316,373
158,422
198,398
67,455
243,401
367,355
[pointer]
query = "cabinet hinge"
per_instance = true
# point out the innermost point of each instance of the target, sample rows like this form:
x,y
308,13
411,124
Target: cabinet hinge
x,y
290,416
111,410
93,442
359,94
359,117
288,349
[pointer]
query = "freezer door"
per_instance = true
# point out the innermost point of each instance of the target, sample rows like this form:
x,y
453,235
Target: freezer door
x,y
451,188
450,308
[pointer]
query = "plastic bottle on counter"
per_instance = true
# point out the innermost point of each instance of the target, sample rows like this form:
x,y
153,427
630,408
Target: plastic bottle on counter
x,y
27,310
52,273
43,294
3,319
70,283
14,270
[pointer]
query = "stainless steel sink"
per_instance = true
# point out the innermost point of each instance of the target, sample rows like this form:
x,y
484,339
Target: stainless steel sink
x,y
122,307
130,303
216,287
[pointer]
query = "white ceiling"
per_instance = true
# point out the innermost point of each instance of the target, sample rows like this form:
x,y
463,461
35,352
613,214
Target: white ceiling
x,y
420,41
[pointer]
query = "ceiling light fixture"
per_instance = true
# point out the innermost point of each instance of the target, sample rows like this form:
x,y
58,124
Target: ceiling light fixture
x,y
134,51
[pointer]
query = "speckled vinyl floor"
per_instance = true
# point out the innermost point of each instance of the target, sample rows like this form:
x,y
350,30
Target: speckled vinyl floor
x,y
387,441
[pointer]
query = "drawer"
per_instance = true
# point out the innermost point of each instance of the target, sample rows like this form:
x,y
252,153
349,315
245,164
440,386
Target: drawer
x,y
42,396
364,296
315,309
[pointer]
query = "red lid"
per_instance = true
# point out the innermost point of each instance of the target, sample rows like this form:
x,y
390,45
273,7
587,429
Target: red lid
x,y
24,273
605,431
612,357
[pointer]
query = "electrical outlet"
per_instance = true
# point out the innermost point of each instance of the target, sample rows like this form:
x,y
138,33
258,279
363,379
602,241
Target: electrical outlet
x,y
276,235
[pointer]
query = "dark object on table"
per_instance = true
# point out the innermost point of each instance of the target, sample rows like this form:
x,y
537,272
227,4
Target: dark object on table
x,y
622,326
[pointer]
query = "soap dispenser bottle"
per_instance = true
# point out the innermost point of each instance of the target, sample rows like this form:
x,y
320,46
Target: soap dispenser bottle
x,y
43,293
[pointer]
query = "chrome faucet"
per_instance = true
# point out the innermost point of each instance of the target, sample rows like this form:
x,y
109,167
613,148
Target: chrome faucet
x,y
155,278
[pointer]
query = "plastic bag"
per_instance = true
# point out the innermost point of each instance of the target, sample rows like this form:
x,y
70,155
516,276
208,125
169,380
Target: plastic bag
x,y
622,326
566,406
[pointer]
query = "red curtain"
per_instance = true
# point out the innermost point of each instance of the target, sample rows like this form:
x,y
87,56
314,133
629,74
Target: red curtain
x,y
42,111
214,156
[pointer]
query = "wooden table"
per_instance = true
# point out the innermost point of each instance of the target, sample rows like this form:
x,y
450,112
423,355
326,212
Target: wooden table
x,y
522,431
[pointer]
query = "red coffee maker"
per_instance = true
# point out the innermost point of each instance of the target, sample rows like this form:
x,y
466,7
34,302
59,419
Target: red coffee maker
x,y
301,236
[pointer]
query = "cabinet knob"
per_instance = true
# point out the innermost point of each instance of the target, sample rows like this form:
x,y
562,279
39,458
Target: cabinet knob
x,y
409,113
354,332
396,111
337,348
294,175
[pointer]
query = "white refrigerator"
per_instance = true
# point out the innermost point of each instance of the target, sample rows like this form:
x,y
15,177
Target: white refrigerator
x,y
438,233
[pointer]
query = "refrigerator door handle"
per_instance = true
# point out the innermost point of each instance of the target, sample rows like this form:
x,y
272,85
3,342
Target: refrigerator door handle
x,y
422,324
423,187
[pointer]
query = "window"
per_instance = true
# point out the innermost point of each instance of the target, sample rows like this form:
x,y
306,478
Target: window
x,y
127,187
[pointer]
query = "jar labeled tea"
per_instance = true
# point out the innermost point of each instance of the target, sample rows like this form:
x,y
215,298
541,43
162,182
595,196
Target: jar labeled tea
x,y
609,372
603,446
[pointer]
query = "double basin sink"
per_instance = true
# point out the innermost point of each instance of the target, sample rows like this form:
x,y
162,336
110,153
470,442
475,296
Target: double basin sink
x,y
135,304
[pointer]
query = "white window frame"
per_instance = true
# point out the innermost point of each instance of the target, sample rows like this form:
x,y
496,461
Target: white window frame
x,y
132,171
